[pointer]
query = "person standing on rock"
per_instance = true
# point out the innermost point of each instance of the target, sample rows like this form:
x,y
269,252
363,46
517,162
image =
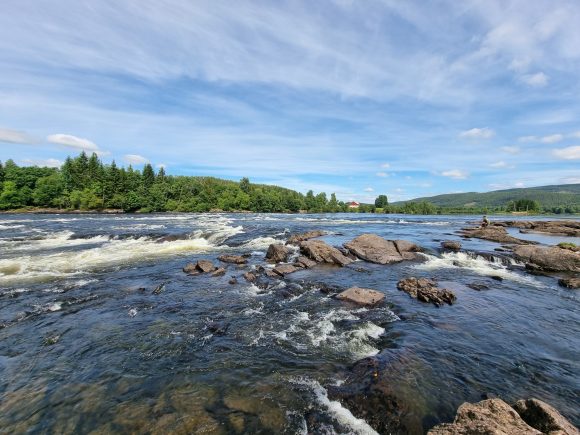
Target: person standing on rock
x,y
484,222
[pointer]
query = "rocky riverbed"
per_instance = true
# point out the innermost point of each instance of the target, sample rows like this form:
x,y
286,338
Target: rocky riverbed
x,y
284,324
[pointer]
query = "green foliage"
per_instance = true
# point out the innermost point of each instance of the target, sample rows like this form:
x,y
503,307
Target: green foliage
x,y
382,201
569,245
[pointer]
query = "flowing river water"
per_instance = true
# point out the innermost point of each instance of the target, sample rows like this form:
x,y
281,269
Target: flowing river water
x,y
88,346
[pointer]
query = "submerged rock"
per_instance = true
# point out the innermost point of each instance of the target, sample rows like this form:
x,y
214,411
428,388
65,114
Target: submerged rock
x,y
451,245
551,258
494,234
235,259
373,248
426,290
322,252
573,283
544,417
361,296
478,286
297,238
277,253
159,289
250,276
492,416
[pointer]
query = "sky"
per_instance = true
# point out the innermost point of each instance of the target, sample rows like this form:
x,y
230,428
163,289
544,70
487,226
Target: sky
x,y
405,98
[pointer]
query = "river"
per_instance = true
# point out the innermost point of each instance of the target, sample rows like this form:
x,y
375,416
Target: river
x,y
87,346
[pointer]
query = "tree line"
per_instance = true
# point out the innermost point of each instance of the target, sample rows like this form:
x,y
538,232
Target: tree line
x,y
85,183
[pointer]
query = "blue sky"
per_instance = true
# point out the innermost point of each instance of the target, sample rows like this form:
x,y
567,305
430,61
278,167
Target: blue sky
x,y
404,98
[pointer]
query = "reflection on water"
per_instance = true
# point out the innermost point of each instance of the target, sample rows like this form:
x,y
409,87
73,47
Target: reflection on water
x,y
87,346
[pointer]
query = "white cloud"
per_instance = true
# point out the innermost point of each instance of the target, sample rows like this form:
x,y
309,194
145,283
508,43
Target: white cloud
x,y
519,184
511,149
135,159
500,164
161,165
369,189
477,133
570,180
575,135
528,139
456,174
71,141
13,136
385,166
568,153
537,80
382,174
49,163
552,138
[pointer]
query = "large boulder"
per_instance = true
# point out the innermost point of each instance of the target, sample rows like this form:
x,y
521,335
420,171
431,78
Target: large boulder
x,y
322,252
551,258
494,234
202,266
277,253
488,417
544,417
297,238
425,290
373,248
451,245
361,296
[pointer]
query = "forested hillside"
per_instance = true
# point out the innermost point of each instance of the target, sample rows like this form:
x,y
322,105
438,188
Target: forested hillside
x,y
556,199
85,183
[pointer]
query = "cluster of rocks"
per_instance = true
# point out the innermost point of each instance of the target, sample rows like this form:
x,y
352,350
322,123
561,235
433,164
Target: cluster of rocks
x,y
206,266
556,228
494,234
494,416
426,290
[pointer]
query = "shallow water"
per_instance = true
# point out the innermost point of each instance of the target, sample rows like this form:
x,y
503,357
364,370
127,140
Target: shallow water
x,y
85,344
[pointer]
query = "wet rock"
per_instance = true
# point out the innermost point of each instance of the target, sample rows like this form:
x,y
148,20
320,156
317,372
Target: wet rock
x,y
297,238
559,227
219,272
234,259
202,266
451,245
305,262
373,248
361,296
551,258
544,417
425,290
478,286
218,327
250,277
494,234
233,281
271,274
159,289
496,278
321,252
284,269
492,416
573,283
277,253
51,340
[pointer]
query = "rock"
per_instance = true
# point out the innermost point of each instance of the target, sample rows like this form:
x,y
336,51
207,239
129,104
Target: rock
x,y
544,417
570,282
370,247
271,274
284,269
451,245
305,262
478,286
250,277
559,227
159,289
233,281
277,253
551,258
235,259
218,327
488,417
494,234
190,269
202,266
426,290
297,238
361,296
321,252
219,272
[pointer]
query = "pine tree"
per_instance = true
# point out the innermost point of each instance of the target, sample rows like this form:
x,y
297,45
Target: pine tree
x,y
148,176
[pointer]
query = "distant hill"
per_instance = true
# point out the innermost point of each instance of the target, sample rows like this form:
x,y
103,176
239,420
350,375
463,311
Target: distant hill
x,y
548,197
